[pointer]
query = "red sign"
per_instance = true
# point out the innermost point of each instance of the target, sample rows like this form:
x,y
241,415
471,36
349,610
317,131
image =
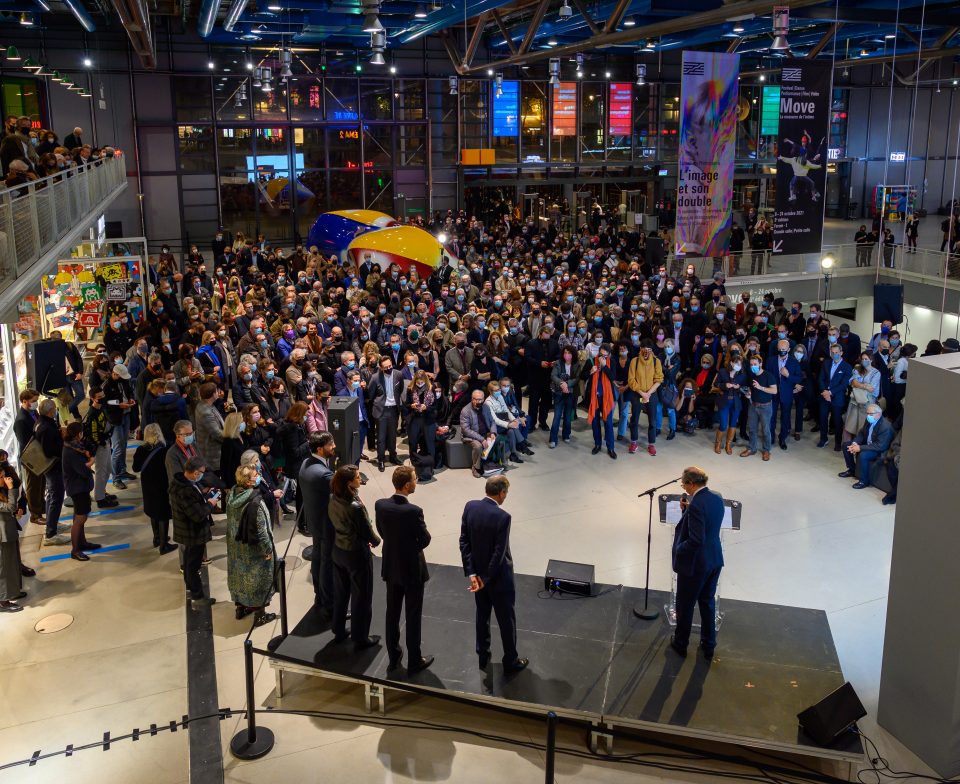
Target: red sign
x,y
89,319
565,109
621,109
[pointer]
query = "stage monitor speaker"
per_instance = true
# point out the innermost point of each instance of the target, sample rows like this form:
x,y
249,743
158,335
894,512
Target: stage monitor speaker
x,y
834,714
888,302
46,365
343,421
569,577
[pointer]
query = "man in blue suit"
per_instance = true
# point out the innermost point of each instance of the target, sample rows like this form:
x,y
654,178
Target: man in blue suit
x,y
834,379
870,443
697,560
485,550
786,370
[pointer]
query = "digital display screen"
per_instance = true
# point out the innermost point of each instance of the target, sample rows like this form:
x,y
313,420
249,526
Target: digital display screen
x,y
621,108
770,110
506,109
272,165
565,109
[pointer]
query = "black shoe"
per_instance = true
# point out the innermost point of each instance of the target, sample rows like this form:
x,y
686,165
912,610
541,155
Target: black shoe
x,y
79,556
515,458
484,660
796,436
783,445
519,664
342,637
545,427
26,571
815,429
241,612
393,664
845,474
422,664
620,438
373,639
380,466
525,449
169,547
613,455
286,509
127,475
302,530
21,595
109,497
859,486
595,450
671,435
10,607
821,444
836,447
106,503
90,546
707,652
395,460
888,500
680,651
203,601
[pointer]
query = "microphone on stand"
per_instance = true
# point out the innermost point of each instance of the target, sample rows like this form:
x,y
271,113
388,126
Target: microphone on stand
x,y
648,613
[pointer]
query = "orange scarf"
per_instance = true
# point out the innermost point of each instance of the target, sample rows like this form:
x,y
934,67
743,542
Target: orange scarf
x,y
607,391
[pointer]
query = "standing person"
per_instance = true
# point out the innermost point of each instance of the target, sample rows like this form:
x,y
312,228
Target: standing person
x,y
314,481
644,378
697,560
404,568
385,393
73,140
835,375
97,432
352,561
487,562
763,386
209,423
788,375
78,483
23,427
601,393
563,384
912,231
11,568
863,243
148,460
422,404
119,400
889,245
51,442
541,355
192,520
250,550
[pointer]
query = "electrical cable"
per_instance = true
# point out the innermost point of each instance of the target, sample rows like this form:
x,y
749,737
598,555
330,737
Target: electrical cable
x,y
566,596
881,768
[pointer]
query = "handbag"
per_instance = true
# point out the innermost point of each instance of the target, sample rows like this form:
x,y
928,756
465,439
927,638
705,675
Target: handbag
x,y
34,460
860,396
668,394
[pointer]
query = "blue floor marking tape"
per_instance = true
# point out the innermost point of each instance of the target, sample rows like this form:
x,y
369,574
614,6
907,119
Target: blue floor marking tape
x,y
63,556
102,512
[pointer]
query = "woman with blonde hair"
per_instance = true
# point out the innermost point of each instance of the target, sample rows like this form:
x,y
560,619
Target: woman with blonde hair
x,y
232,446
149,463
250,549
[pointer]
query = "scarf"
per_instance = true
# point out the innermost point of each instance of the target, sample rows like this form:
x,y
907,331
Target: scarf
x,y
606,390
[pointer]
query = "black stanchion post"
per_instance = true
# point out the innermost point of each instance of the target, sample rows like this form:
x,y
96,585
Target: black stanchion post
x,y
552,722
253,742
282,586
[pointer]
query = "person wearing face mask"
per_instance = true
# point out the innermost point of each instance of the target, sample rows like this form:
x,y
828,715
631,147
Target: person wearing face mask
x,y
601,392
119,400
189,375
870,443
97,434
563,384
422,405
23,426
834,380
148,461
784,367
864,390
458,360
384,396
18,146
762,387
644,379
898,380
541,356
192,517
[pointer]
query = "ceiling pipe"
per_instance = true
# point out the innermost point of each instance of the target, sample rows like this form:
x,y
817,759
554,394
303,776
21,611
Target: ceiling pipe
x,y
691,22
233,15
135,17
77,9
207,17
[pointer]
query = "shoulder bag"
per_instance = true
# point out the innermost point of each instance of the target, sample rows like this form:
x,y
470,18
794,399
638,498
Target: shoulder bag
x,y
34,460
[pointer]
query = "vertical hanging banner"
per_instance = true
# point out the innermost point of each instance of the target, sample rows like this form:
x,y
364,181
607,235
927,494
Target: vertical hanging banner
x,y
805,87
565,109
621,108
708,124
506,108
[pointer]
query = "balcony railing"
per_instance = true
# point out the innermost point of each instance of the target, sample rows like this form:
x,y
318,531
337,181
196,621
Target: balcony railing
x,y
35,216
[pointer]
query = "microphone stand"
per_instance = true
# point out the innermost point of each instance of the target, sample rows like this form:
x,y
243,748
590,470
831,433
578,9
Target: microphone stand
x,y
649,613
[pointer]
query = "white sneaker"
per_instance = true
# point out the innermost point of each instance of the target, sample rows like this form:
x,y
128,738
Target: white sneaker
x,y
56,541
64,528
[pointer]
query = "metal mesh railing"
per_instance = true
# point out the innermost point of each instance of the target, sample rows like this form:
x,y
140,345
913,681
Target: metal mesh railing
x,y
36,215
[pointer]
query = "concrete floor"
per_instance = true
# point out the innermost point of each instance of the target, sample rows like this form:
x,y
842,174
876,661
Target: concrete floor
x,y
807,540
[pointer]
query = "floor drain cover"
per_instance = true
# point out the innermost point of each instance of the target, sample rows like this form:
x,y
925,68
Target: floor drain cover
x,y
54,623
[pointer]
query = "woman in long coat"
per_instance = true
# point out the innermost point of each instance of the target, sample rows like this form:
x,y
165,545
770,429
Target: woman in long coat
x,y
11,578
250,554
149,462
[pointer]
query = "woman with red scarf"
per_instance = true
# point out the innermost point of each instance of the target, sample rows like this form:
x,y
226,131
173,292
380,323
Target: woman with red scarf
x,y
602,400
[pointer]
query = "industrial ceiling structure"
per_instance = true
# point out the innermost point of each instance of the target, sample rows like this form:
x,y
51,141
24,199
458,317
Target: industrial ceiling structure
x,y
481,35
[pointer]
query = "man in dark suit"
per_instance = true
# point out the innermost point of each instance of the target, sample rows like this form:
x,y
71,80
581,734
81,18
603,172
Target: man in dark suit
x,y
385,393
485,550
834,381
697,560
404,569
870,443
786,370
315,475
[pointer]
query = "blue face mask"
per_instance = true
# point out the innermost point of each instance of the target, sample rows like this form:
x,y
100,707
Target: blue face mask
x,y
257,480
894,342
302,330
668,350
719,316
188,439
242,427
873,418
481,324
675,305
258,331
635,339
755,369
694,308
582,330
354,385
836,358
270,375
832,338
351,364
248,376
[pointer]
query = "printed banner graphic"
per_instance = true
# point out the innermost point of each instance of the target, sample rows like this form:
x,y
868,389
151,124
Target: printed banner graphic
x,y
708,124
802,156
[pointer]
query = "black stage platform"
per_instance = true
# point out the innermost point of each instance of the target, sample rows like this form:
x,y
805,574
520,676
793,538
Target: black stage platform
x,y
592,659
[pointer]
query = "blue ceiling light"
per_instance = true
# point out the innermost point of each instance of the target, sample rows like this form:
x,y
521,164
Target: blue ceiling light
x,y
80,14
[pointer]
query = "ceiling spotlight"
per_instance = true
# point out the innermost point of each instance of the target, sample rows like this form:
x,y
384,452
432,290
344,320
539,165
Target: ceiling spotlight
x,y
75,88
607,74
238,101
393,69
489,72
249,66
864,52
371,23
86,94
552,42
888,36
31,65
26,20
420,13
211,65
441,238
649,46
499,82
641,74
763,77
579,74
87,62
274,7
738,28
781,26
826,263
452,81
554,71
845,73
257,77
565,10
377,59
630,22
56,77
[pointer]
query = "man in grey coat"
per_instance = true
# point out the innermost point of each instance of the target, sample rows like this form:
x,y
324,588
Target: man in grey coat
x,y
209,425
314,480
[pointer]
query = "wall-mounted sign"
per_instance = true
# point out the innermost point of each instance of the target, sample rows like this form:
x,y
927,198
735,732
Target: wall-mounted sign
x,y
348,134
898,157
565,109
506,109
833,153
621,108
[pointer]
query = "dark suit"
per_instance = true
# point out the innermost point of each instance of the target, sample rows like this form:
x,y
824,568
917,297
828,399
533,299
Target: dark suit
x,y
697,560
385,416
783,402
837,385
314,481
404,570
485,550
872,446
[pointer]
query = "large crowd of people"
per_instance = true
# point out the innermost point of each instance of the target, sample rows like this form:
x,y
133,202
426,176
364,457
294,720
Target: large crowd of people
x,y
225,382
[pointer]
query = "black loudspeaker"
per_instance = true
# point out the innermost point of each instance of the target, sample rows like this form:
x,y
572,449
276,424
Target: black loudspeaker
x,y
343,420
834,714
47,365
888,302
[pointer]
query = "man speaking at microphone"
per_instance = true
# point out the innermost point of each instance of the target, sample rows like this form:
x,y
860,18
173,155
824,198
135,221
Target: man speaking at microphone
x,y
697,560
